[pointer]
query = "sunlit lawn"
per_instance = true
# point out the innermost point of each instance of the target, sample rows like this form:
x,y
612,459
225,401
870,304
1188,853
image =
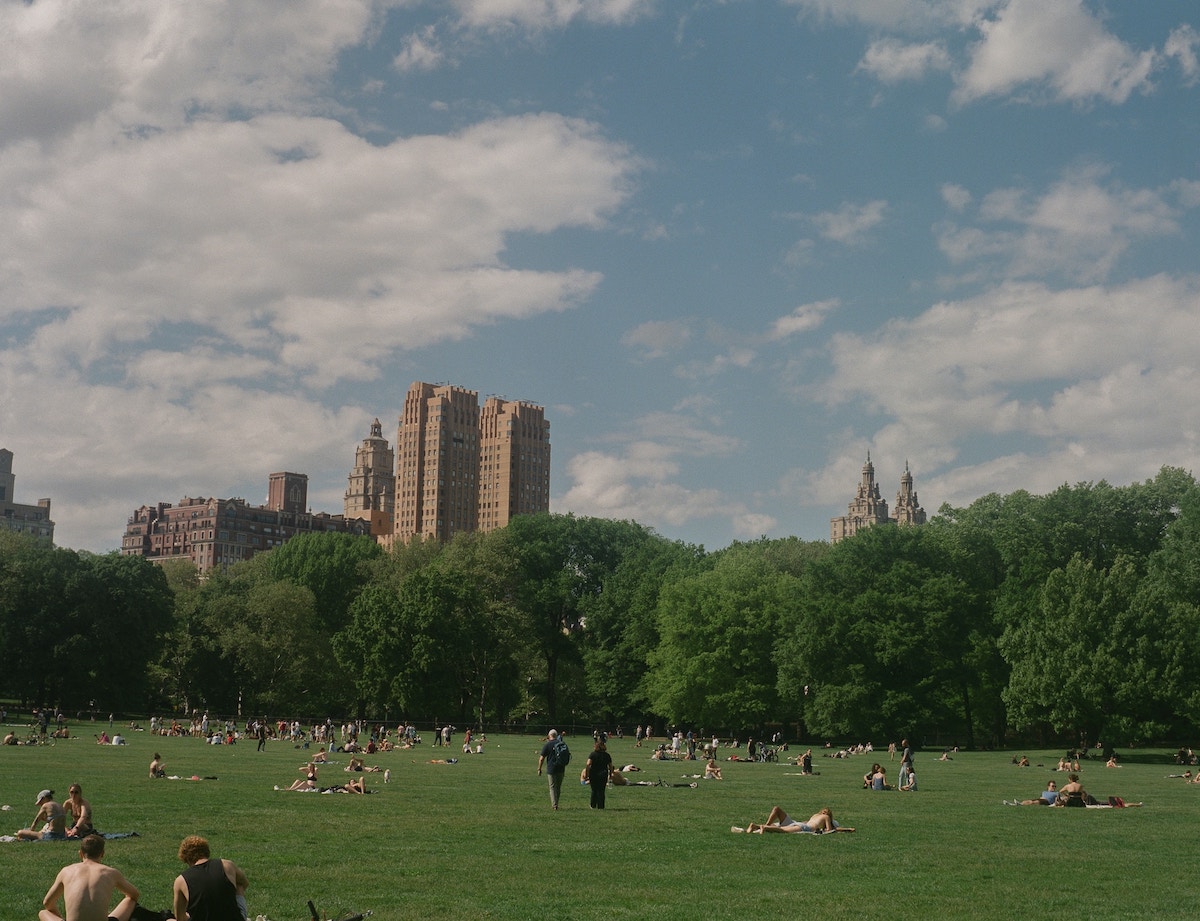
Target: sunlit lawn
x,y
477,839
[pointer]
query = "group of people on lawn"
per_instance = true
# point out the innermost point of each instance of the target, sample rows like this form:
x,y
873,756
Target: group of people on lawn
x,y
210,888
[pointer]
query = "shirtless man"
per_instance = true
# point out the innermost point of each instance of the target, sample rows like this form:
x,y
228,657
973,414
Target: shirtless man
x,y
81,811
780,821
86,889
52,814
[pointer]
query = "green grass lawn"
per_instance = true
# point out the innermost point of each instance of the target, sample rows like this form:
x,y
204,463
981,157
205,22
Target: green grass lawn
x,y
477,839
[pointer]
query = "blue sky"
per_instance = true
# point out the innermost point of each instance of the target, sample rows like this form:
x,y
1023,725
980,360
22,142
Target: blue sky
x,y
731,246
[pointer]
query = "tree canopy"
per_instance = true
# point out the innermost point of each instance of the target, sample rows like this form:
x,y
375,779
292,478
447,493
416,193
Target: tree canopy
x,y
1072,614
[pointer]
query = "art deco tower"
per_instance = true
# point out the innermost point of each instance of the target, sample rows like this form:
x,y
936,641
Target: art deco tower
x,y
437,462
371,488
514,458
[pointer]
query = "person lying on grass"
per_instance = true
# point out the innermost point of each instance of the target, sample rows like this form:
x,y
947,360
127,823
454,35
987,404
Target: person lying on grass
x,y
780,821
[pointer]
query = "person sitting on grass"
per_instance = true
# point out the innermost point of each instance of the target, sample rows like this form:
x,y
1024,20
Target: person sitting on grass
x,y
1072,793
780,822
308,781
156,766
86,889
712,770
81,811
54,817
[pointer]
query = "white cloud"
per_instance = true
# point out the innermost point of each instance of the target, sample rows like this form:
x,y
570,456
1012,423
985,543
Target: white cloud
x,y
656,338
641,479
955,196
546,14
421,51
851,222
892,61
905,15
285,230
1100,379
146,64
1057,45
1182,45
1079,227
803,319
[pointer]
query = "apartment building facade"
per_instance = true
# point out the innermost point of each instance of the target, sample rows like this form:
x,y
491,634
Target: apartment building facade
x,y
15,516
460,467
216,533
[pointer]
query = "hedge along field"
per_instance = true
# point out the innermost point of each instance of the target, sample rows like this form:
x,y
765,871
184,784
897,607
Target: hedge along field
x,y
478,839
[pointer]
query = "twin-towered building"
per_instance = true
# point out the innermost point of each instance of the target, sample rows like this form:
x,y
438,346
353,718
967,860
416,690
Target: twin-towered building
x,y
868,508
456,467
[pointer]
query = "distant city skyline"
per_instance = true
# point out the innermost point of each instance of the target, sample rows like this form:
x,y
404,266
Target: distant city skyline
x,y
731,247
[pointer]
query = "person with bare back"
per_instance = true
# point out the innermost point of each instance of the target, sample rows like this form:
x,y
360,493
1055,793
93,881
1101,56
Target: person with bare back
x,y
86,889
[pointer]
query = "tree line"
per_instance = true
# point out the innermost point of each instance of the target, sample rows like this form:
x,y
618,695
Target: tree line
x,y
1069,615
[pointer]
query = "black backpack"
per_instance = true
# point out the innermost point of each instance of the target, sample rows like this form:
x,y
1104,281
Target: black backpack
x,y
560,756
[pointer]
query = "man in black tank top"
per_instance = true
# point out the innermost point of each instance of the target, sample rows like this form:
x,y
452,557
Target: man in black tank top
x,y
209,889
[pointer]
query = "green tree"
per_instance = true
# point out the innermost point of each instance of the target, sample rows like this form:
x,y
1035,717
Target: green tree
x,y
333,566
713,666
1072,665
621,624
560,564
887,640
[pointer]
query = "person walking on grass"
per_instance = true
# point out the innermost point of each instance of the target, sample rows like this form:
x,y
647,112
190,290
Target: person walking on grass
x,y
599,766
86,889
551,758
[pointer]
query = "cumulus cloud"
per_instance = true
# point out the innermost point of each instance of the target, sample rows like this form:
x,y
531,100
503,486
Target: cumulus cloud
x,y
1055,367
657,338
543,14
904,15
420,51
892,61
850,223
1057,45
1078,227
639,478
1182,45
803,319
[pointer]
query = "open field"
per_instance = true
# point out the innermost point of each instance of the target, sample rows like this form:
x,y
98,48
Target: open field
x,y
477,839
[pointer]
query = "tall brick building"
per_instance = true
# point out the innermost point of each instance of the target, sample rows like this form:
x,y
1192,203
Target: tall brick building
x,y
462,469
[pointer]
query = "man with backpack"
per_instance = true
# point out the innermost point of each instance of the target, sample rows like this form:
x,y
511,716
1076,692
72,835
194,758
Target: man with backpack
x,y
555,757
